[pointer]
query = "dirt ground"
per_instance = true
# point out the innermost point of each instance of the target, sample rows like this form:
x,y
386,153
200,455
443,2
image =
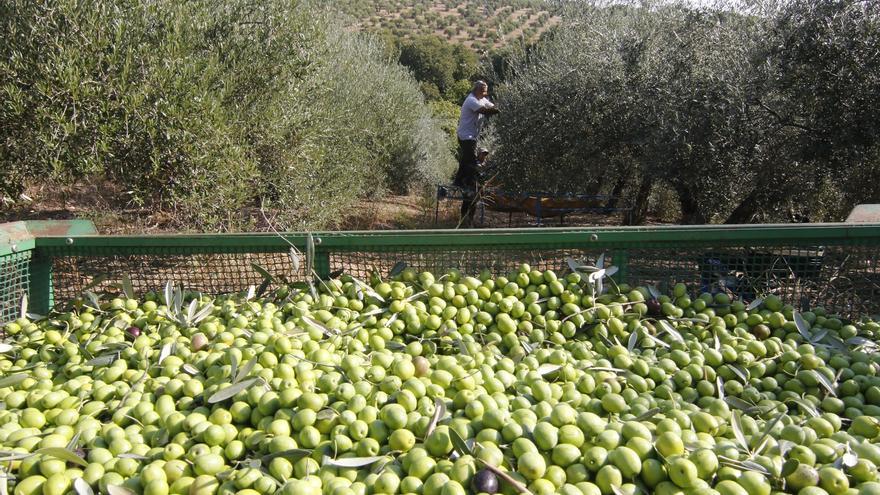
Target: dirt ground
x,y
101,205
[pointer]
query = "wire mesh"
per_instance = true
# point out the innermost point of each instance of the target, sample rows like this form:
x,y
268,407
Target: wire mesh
x,y
841,275
210,273
498,260
14,283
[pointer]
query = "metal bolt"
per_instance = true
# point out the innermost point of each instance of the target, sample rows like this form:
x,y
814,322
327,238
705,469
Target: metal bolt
x,y
317,241
15,248
594,237
69,240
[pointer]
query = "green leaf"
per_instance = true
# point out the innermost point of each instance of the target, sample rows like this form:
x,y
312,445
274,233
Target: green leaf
x,y
803,327
245,370
82,487
63,454
668,328
397,269
12,380
547,368
230,391
263,272
439,412
292,454
4,348
166,351
754,304
459,444
169,295
516,485
736,423
127,288
352,462
118,490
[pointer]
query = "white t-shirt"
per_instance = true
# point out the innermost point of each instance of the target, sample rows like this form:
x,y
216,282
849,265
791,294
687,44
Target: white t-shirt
x,y
470,120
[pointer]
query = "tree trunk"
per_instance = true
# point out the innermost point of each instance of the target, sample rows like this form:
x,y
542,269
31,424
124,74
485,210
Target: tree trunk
x,y
745,211
640,204
616,192
691,214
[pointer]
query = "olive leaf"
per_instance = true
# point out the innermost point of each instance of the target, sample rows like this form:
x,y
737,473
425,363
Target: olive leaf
x,y
245,370
292,454
439,412
765,436
118,490
351,462
720,385
632,341
294,258
326,414
169,294
63,454
312,323
82,487
736,423
103,360
4,479
24,305
233,364
740,404
802,327
230,391
825,382
166,351
5,348
653,291
459,444
650,413
547,368
754,304
516,485
740,372
366,288
190,369
397,269
656,340
668,328
127,287
806,406
93,298
130,455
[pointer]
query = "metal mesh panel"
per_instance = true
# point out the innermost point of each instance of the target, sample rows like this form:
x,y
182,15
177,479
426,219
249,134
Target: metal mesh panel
x,y
842,274
499,260
844,279
211,273
14,283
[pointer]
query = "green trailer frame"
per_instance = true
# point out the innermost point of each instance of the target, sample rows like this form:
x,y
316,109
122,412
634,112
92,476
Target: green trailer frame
x,y
834,265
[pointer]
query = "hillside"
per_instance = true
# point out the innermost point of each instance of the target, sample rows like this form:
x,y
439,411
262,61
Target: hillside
x,y
481,25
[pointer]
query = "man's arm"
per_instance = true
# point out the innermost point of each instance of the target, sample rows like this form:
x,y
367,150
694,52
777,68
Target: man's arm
x,y
488,110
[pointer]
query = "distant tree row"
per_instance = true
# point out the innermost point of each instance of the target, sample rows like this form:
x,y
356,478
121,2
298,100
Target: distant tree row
x,y
763,114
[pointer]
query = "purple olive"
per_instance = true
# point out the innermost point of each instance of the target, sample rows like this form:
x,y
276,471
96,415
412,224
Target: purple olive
x,y
133,332
654,307
485,482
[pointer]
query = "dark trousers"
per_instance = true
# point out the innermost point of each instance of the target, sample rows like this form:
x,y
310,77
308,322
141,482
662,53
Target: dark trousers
x,y
466,177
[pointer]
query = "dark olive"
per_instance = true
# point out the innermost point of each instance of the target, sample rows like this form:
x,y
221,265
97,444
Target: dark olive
x,y
653,307
133,332
485,482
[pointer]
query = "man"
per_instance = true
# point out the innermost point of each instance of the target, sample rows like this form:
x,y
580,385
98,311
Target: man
x,y
474,108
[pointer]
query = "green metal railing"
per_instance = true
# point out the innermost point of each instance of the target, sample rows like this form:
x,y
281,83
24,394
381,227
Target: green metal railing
x,y
835,265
